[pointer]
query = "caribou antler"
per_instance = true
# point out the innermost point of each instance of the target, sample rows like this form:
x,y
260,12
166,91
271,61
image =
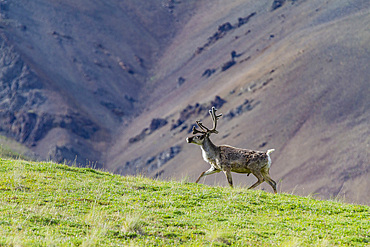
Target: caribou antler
x,y
214,118
195,131
204,129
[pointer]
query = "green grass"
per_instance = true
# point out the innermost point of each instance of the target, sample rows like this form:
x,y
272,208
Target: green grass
x,y
47,204
12,149
6,152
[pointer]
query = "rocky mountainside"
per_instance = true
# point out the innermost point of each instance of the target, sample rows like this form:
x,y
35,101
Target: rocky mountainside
x,y
72,72
120,85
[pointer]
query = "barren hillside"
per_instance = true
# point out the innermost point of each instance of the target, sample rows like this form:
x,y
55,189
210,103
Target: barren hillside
x,y
122,83
72,71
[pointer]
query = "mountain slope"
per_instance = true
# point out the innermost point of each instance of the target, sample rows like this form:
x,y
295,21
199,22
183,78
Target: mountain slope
x,y
52,204
120,84
72,72
299,84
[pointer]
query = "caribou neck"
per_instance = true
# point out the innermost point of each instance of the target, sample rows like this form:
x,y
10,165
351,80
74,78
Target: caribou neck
x,y
210,149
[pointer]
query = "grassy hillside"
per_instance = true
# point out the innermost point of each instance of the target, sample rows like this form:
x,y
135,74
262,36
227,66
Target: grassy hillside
x,y
13,150
51,204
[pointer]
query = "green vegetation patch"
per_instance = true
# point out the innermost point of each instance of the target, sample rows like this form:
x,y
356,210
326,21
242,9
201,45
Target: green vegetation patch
x,y
13,150
50,204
